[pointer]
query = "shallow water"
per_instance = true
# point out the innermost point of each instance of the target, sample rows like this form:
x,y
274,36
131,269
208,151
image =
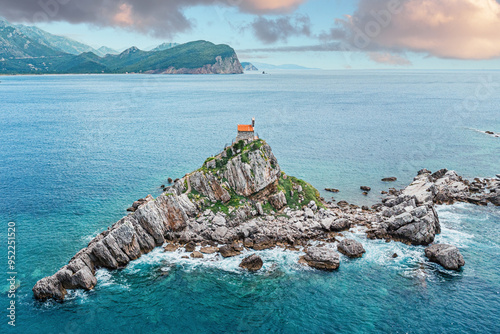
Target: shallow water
x,y
77,150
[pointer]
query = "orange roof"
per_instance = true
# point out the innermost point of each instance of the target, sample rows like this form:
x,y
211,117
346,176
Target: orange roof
x,y
245,128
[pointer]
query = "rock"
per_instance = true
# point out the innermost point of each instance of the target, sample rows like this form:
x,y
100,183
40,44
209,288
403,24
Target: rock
x,y
228,251
333,190
196,255
439,174
260,211
351,248
252,263
340,224
365,193
49,287
190,246
263,242
170,248
495,200
278,201
170,180
389,179
365,188
209,250
395,255
308,212
322,258
219,220
447,256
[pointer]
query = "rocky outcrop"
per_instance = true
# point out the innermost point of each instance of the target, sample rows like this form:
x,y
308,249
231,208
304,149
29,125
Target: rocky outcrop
x,y
252,263
226,65
321,258
447,256
351,248
227,200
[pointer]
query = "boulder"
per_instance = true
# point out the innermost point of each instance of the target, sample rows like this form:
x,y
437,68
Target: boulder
x,y
321,258
196,255
389,179
340,224
209,250
278,201
333,190
365,188
190,246
228,251
447,256
252,263
351,248
263,242
170,248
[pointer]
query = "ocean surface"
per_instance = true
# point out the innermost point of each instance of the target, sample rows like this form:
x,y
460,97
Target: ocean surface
x,y
77,150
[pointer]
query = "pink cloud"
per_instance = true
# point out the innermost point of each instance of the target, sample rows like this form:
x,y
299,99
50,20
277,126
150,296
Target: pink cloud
x,y
463,29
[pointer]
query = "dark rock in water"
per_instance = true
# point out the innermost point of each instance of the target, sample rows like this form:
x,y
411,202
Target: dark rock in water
x,y
395,255
252,263
351,248
263,242
321,258
190,246
365,188
364,207
228,251
170,247
365,193
333,190
196,255
446,255
170,180
495,200
209,250
342,203
489,132
162,186
389,179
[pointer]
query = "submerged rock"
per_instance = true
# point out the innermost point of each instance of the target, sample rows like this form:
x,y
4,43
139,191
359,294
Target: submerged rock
x,y
252,263
447,256
351,248
321,258
389,179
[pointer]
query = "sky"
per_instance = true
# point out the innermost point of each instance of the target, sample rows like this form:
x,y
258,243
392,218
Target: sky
x,y
327,34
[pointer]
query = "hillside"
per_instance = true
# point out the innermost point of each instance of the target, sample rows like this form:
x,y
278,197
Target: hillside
x,y
30,50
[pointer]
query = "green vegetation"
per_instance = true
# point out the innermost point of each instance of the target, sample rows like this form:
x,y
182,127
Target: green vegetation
x,y
244,158
48,61
308,192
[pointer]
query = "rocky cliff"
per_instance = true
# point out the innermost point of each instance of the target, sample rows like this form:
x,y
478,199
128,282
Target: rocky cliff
x,y
241,198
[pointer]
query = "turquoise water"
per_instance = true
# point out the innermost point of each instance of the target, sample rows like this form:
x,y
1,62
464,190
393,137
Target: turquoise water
x,y
77,150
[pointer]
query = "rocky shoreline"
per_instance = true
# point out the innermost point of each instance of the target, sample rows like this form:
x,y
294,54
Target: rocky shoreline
x,y
240,199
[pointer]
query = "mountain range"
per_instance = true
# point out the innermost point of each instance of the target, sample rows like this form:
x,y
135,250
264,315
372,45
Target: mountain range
x,y
30,50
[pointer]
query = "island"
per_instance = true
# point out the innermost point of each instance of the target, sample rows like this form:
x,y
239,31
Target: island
x,y
240,198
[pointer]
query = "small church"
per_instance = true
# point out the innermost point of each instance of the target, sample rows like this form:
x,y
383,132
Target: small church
x,y
247,131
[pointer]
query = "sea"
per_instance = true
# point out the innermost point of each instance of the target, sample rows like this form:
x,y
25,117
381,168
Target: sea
x,y
77,150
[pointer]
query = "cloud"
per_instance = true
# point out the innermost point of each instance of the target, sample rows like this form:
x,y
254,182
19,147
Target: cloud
x,y
461,29
389,59
324,47
280,29
161,18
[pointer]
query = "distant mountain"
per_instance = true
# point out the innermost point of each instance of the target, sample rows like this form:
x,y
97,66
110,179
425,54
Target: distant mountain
x,y
249,66
200,57
60,43
15,44
104,50
264,66
164,46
